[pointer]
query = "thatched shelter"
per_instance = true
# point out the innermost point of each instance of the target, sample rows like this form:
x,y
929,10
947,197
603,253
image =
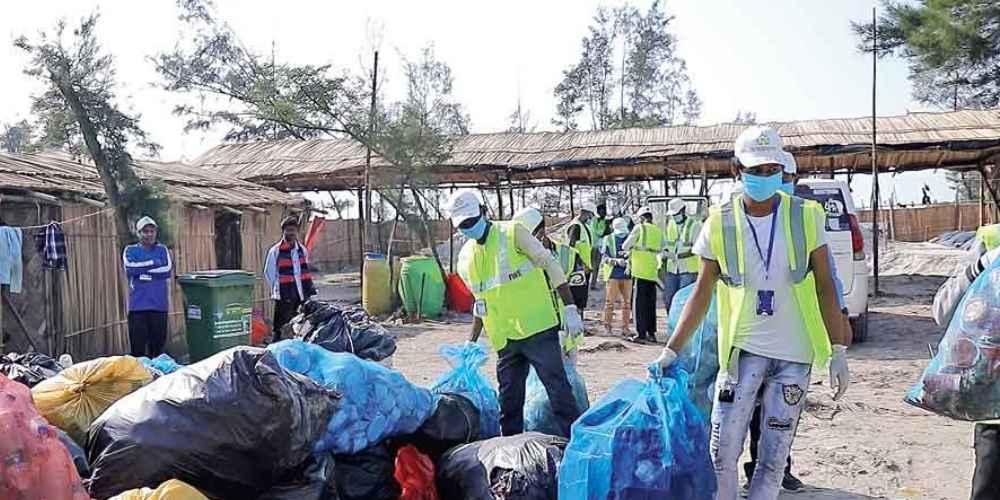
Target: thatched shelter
x,y
216,222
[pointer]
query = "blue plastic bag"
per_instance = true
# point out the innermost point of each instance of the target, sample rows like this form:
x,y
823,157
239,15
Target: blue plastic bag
x,y
538,416
701,355
642,440
376,403
464,378
963,379
162,363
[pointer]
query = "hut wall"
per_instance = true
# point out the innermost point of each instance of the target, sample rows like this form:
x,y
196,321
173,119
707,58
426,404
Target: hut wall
x,y
193,249
91,297
923,223
337,245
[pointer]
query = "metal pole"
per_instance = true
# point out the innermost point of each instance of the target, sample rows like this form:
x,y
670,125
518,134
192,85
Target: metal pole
x,y
361,237
510,197
365,212
499,202
572,209
451,240
875,191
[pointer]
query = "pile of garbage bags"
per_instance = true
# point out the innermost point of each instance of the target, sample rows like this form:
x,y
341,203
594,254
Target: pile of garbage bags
x,y
522,467
343,329
28,368
455,421
76,396
641,440
368,474
232,425
701,355
376,403
415,475
538,415
963,379
465,378
33,462
169,490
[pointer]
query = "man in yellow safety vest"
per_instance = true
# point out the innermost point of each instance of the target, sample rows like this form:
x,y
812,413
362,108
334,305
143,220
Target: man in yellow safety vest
x,y
989,237
579,235
680,266
644,245
764,254
511,274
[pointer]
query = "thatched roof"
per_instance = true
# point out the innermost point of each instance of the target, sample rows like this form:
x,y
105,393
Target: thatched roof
x,y
909,142
63,176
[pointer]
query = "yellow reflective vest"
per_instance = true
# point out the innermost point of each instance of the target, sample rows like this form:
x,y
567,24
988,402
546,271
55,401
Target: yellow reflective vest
x,y
990,236
644,256
518,301
680,240
584,244
726,225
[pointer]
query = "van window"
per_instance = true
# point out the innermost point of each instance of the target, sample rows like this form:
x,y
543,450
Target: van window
x,y
832,200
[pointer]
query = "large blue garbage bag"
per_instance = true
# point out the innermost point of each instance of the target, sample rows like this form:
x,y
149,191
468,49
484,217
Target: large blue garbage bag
x,y
642,440
465,379
538,416
701,355
963,379
377,402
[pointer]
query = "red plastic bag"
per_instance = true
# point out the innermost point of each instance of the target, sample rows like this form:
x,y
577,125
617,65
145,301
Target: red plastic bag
x,y
460,299
34,464
259,329
415,475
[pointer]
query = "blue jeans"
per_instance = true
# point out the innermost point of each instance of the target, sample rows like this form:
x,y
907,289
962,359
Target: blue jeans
x,y
672,282
783,396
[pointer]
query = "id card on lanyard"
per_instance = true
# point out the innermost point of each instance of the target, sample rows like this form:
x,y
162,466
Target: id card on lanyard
x,y
765,298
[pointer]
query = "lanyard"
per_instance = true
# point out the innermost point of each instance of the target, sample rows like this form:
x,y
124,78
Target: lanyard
x,y
770,243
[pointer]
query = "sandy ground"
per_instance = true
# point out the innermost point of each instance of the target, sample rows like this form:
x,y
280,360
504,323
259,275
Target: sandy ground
x,y
868,445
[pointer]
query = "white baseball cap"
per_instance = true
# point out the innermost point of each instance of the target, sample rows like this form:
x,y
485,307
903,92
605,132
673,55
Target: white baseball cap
x,y
620,225
759,145
589,207
643,211
463,205
529,217
143,222
675,206
789,165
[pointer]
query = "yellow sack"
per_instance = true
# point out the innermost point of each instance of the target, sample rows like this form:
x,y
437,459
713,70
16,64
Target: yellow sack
x,y
173,489
75,397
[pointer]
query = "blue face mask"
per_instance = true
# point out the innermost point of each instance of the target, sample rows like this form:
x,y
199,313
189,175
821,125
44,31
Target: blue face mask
x,y
477,231
788,188
761,187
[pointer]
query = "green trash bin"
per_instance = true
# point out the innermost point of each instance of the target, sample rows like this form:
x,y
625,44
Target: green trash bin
x,y
218,306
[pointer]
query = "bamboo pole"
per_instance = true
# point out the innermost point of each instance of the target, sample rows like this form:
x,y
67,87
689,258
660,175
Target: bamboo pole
x,y
875,189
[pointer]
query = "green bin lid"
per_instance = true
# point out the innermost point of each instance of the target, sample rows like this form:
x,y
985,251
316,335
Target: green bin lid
x,y
218,278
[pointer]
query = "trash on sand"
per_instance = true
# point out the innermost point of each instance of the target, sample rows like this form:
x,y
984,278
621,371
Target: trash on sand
x,y
524,467
465,378
344,329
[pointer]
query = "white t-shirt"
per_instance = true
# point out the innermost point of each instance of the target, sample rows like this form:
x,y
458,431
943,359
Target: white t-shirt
x,y
782,335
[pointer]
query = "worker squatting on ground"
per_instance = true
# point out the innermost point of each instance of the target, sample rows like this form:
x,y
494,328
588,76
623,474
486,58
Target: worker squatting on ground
x,y
148,268
286,270
511,276
580,237
679,266
985,251
616,275
644,245
767,254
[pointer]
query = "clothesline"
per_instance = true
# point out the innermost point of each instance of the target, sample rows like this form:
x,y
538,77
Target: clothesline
x,y
69,221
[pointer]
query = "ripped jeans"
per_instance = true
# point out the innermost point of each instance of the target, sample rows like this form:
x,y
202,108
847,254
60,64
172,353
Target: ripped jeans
x,y
784,395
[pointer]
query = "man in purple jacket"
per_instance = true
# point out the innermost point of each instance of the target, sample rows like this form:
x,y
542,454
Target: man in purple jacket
x,y
148,268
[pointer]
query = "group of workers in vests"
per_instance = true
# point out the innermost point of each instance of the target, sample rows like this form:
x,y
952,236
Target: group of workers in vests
x,y
762,253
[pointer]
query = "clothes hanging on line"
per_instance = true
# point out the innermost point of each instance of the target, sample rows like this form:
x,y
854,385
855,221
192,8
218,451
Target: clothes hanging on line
x,y
10,258
51,245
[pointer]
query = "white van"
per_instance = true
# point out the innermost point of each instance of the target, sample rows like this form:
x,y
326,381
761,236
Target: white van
x,y
847,244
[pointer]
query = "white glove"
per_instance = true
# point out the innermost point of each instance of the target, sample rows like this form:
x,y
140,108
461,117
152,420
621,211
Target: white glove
x,y
840,377
572,322
666,358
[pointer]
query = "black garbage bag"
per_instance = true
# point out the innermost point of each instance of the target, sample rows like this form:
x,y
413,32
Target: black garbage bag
x,y
455,421
76,453
232,426
521,467
314,481
345,329
28,368
368,474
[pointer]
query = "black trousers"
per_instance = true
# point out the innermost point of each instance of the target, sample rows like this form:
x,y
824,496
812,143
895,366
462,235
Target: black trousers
x,y
542,352
754,440
147,333
986,479
644,299
284,311
580,296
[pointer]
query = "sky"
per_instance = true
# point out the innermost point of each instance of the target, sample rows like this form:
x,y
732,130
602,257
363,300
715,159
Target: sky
x,y
782,59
